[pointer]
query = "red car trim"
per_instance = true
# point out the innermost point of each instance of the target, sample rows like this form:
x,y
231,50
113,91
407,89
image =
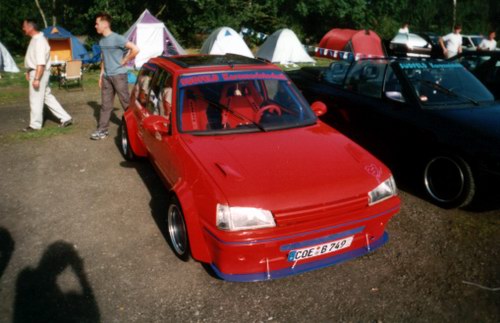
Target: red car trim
x,y
312,242
298,235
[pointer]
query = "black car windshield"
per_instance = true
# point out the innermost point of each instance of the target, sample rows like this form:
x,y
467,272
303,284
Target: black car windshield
x,y
229,102
444,83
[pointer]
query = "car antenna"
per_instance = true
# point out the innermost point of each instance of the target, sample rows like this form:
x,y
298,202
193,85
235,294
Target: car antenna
x,y
228,61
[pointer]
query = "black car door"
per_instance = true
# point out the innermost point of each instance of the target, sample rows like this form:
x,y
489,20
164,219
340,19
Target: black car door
x,y
374,108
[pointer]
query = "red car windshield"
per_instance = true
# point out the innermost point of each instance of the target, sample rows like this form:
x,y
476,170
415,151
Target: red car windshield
x,y
240,102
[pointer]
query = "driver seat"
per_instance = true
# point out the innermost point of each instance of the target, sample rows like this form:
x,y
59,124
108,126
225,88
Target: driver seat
x,y
239,99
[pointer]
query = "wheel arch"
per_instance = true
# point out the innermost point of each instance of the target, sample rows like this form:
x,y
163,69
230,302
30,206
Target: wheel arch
x,y
197,245
467,166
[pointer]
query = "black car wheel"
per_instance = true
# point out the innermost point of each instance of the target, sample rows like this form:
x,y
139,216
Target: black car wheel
x,y
449,181
126,149
177,230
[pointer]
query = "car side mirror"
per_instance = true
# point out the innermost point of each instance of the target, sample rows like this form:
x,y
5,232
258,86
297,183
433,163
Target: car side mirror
x,y
395,96
319,108
157,125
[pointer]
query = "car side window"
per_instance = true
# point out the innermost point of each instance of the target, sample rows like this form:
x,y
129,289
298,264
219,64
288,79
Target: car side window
x,y
392,85
466,42
160,95
142,86
366,78
335,73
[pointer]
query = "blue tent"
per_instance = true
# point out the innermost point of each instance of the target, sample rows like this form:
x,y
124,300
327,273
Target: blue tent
x,y
64,45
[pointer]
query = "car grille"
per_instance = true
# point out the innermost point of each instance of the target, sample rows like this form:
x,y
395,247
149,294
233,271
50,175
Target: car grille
x,y
336,210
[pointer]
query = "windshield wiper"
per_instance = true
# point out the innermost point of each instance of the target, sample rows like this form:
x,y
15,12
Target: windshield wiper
x,y
237,114
445,90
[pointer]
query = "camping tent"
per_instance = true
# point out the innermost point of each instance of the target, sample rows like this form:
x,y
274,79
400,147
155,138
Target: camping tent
x,y
152,38
64,46
225,40
7,63
283,47
359,42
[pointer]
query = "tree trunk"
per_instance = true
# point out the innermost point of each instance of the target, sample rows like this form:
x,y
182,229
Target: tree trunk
x,y
41,13
54,18
454,13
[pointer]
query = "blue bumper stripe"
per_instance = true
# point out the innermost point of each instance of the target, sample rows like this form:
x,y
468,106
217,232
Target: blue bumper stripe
x,y
301,268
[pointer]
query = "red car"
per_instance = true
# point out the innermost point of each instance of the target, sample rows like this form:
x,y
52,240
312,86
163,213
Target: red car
x,y
260,187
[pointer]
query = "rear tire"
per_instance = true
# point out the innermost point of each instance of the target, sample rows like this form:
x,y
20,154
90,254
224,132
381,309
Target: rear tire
x,y
177,230
449,181
125,147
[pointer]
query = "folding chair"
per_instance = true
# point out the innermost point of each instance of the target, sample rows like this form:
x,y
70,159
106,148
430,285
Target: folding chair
x,y
72,72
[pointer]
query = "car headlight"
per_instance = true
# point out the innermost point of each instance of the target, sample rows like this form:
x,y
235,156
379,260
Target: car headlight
x,y
232,218
383,191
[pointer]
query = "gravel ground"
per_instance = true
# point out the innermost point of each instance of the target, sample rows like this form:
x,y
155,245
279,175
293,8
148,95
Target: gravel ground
x,y
81,240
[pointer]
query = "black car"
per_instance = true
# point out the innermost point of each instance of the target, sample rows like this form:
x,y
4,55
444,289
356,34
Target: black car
x,y
485,65
431,117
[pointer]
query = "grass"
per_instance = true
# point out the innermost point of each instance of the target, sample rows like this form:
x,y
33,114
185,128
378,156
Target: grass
x,y
45,132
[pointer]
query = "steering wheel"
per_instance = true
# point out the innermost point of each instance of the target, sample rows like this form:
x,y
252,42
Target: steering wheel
x,y
272,108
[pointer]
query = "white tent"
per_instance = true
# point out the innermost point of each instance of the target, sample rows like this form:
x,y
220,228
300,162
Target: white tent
x,y
7,63
225,40
152,38
283,47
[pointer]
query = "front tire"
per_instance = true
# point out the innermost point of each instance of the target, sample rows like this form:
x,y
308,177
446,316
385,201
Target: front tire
x,y
125,147
177,230
449,181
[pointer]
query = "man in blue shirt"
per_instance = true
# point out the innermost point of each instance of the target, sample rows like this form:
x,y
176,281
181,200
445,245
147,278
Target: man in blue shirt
x,y
116,53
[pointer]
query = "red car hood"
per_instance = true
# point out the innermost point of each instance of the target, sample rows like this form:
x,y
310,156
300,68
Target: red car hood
x,y
286,169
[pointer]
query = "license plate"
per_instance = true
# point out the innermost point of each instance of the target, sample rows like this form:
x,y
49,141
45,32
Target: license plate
x,y
321,249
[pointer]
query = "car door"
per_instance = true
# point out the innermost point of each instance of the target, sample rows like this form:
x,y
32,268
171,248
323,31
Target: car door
x,y
140,95
160,142
376,110
355,107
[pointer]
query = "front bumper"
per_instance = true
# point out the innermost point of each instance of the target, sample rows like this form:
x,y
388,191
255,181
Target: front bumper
x,y
302,268
264,259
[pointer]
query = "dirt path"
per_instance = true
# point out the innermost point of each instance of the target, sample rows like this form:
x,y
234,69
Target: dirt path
x,y
81,236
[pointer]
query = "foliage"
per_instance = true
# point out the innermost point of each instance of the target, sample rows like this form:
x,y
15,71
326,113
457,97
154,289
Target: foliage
x,y
191,20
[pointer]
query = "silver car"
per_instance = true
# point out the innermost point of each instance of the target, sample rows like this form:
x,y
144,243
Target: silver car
x,y
408,44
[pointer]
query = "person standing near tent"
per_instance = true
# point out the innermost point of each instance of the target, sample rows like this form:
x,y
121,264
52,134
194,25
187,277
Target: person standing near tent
x,y
453,42
37,63
113,78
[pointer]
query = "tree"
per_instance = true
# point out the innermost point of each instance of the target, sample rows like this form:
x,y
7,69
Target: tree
x,y
191,20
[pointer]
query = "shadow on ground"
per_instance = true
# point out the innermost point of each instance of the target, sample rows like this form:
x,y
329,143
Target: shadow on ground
x,y
39,298
6,249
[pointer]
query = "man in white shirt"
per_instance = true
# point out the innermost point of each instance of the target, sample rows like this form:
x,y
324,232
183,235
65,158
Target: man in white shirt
x,y
488,43
37,63
404,29
453,42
